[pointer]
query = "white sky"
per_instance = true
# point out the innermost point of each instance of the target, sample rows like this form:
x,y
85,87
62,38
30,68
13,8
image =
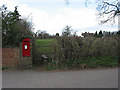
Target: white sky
x,y
53,15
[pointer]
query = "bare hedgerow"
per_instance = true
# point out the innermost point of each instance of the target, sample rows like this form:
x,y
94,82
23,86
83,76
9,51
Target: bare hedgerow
x,y
71,49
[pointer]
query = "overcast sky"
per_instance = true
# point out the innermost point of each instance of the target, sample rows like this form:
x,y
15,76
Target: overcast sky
x,y
54,15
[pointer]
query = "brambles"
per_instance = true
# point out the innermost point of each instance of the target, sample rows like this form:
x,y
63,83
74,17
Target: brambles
x,y
89,51
78,52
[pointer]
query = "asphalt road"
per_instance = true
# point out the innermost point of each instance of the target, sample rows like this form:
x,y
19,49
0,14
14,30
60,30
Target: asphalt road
x,y
107,78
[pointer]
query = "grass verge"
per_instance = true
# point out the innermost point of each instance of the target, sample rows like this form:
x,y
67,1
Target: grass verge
x,y
90,62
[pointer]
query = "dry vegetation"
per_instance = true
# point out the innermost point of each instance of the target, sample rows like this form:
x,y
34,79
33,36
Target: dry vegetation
x,y
88,52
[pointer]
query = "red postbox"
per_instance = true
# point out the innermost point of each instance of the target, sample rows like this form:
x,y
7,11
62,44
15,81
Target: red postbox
x,y
26,47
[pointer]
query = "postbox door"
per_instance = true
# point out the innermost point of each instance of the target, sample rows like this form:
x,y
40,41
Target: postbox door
x,y
26,47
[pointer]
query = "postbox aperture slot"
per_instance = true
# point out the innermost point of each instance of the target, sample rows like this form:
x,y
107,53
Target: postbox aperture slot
x,y
26,41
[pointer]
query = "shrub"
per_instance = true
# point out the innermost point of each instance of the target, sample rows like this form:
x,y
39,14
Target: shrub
x,y
4,67
72,51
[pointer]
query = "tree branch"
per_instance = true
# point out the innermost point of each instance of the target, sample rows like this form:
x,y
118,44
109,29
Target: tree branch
x,y
109,12
112,5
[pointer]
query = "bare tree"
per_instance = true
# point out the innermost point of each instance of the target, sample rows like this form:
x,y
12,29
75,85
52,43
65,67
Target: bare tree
x,y
67,31
108,10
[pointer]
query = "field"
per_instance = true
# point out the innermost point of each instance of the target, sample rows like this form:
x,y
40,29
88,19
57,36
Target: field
x,y
45,45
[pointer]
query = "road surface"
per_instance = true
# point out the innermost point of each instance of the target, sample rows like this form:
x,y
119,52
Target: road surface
x,y
105,78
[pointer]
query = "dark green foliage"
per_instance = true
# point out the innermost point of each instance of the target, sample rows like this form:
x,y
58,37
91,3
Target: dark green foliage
x,y
118,32
95,34
3,67
57,34
100,34
13,27
93,62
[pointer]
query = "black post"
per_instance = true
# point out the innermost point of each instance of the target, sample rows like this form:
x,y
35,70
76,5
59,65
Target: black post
x,y
33,50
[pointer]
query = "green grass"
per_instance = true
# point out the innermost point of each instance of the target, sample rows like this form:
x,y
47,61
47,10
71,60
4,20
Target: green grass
x,y
93,62
90,62
45,42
